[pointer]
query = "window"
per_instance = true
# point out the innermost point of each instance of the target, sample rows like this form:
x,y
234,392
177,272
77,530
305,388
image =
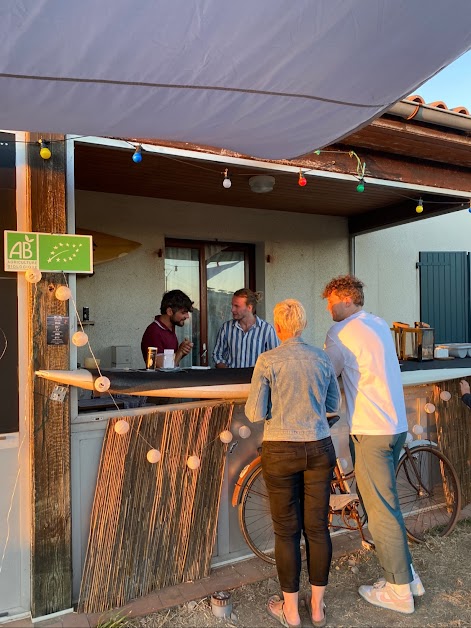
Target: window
x,y
209,273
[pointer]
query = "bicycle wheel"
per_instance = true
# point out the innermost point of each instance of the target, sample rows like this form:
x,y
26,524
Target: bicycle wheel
x,y
255,519
429,492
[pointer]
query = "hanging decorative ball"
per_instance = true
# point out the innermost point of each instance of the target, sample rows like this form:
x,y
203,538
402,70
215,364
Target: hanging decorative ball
x,y
79,339
418,429
420,207
193,462
409,438
153,456
102,384
361,187
137,157
226,436
429,408
302,181
63,293
244,431
33,275
343,463
122,427
44,151
226,183
445,395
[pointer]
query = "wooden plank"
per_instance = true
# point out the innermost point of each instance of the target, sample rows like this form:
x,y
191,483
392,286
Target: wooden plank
x,y
51,568
154,525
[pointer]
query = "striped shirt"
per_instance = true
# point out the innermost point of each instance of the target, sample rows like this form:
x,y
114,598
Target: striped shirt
x,y
238,349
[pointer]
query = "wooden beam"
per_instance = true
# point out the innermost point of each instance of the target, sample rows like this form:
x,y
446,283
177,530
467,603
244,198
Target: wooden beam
x,y
401,214
51,565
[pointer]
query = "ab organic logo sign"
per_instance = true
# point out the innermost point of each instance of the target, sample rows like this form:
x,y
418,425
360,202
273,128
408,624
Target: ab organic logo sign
x,y
48,252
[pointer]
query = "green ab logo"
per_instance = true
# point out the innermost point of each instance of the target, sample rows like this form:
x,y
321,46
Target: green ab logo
x,y
23,250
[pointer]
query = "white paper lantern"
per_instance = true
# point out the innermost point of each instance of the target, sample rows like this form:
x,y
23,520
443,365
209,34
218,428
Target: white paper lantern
x,y
33,275
445,395
226,436
79,339
153,455
429,408
122,427
102,384
244,431
193,462
63,293
409,438
418,429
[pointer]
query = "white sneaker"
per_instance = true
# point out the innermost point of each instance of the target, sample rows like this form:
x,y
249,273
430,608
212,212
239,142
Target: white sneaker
x,y
416,586
382,594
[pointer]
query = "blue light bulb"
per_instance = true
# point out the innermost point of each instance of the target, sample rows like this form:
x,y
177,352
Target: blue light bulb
x,y
137,157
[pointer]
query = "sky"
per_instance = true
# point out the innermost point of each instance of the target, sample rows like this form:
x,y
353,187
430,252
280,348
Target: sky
x,y
452,85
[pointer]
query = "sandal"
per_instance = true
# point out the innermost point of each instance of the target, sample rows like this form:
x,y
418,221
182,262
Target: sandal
x,y
316,623
279,615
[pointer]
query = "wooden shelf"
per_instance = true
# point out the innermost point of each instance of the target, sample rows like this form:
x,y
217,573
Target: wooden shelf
x,y
88,323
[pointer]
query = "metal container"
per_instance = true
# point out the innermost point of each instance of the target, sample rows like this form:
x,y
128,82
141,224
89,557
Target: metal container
x,y
221,604
151,363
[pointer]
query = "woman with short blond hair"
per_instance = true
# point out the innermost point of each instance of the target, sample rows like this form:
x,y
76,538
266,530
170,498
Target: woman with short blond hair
x,y
293,386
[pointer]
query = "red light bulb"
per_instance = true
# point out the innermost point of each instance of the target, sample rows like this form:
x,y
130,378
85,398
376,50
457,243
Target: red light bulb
x,y
302,181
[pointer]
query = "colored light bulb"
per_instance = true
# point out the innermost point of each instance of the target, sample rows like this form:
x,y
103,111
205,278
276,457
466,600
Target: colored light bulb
x,y
302,180
44,151
361,186
420,208
137,157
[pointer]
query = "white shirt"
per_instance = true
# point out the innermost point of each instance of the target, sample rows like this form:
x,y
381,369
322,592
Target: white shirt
x,y
362,351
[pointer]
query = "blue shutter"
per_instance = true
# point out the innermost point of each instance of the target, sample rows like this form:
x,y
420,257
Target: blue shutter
x,y
444,294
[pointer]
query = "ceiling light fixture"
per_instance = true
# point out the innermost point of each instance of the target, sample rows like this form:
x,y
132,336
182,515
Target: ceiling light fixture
x,y
261,183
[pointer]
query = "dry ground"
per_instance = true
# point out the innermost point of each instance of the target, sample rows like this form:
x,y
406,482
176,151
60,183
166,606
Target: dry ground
x,y
443,564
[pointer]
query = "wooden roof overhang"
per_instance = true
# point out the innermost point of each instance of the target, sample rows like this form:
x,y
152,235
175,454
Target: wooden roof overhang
x,y
405,161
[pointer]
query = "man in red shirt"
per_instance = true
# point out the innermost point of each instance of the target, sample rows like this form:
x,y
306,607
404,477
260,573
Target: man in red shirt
x,y
175,309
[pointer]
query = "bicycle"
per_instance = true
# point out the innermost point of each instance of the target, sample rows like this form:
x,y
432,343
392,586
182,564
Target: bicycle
x,y
428,488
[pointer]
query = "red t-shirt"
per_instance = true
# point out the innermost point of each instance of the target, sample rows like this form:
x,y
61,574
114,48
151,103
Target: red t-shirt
x,y
160,336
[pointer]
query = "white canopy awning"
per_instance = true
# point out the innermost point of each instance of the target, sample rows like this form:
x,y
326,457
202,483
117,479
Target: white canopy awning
x,y
268,78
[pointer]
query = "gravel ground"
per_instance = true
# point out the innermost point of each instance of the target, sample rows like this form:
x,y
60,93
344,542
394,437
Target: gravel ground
x,y
443,565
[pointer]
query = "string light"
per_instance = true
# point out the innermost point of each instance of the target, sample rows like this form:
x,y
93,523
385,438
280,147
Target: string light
x,y
445,395
137,157
33,275
121,427
63,293
226,182
420,206
418,429
79,339
361,186
429,408
193,462
153,456
44,150
226,436
102,384
302,179
244,431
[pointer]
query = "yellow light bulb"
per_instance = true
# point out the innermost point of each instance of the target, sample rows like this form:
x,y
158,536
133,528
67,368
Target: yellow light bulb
x,y
45,152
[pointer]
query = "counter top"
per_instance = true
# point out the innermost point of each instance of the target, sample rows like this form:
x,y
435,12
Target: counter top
x,y
227,383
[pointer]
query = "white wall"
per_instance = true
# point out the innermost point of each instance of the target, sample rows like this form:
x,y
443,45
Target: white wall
x,y
124,295
386,262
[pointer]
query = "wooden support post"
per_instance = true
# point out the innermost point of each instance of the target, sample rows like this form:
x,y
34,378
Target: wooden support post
x,y
51,566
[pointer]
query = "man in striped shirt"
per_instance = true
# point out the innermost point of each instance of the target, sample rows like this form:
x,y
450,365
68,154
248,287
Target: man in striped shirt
x,y
241,340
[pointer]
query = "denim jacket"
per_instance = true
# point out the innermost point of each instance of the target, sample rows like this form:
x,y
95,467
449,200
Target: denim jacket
x,y
293,386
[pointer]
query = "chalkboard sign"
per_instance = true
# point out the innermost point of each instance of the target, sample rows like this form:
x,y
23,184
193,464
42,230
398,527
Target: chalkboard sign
x,y
9,412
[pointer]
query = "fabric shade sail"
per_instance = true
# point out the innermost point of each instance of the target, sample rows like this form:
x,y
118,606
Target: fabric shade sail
x,y
267,78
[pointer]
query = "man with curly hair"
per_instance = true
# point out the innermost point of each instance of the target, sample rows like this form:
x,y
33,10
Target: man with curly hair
x,y
362,351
